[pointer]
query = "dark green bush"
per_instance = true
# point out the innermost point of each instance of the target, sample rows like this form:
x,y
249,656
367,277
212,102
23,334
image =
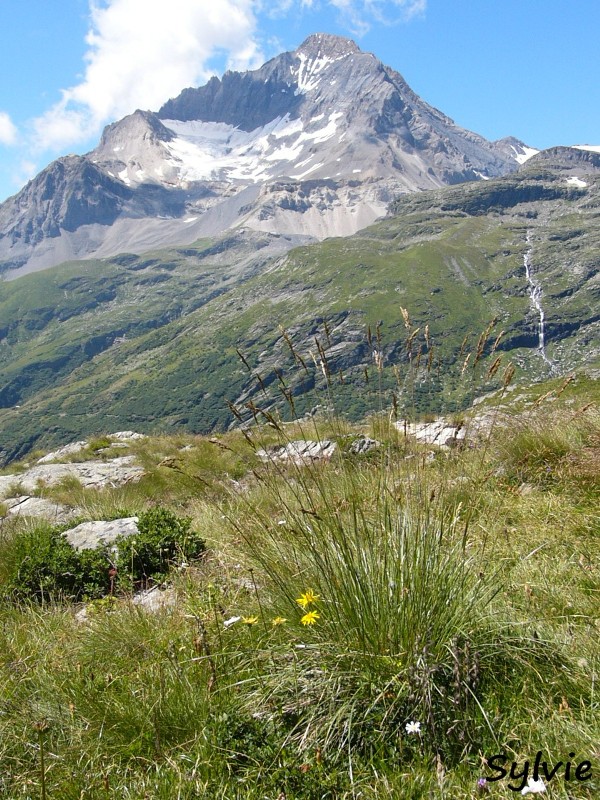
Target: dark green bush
x,y
40,564
164,538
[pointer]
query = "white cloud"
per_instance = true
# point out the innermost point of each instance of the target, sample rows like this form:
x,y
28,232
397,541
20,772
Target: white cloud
x,y
25,171
359,14
8,131
140,53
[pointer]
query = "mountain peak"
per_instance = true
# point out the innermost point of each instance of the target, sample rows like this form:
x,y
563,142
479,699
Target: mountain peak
x,y
327,44
316,142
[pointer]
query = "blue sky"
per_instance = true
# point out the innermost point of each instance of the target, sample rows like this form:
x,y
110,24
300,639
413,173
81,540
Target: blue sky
x,y
528,68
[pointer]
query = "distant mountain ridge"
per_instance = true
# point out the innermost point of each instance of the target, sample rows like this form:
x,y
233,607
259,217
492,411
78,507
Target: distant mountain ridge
x,y
315,143
150,342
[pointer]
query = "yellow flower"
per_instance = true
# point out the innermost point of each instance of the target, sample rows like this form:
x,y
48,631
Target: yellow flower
x,y
278,621
249,620
307,598
310,618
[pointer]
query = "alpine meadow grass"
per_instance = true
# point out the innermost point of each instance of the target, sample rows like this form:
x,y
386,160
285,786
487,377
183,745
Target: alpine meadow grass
x,y
372,622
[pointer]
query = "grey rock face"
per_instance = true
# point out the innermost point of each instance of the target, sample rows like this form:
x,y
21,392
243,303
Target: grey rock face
x,y
155,599
67,450
69,193
26,506
302,451
127,436
122,439
90,535
91,474
363,444
440,432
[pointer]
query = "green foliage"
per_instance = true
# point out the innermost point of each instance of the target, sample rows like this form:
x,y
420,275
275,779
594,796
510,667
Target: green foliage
x,y
78,337
99,443
164,539
40,564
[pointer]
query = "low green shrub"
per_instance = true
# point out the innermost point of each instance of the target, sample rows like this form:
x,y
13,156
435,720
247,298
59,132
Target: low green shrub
x,y
40,564
164,539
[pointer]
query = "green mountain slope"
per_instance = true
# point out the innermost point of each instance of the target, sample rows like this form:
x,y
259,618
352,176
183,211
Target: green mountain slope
x,y
151,342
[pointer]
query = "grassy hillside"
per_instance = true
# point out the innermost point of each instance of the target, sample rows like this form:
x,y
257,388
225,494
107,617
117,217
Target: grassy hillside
x,y
152,343
374,626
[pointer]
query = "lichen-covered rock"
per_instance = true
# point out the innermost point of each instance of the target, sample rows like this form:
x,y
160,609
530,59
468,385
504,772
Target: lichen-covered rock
x,y
363,444
156,598
440,432
90,535
67,450
301,451
91,475
127,436
27,506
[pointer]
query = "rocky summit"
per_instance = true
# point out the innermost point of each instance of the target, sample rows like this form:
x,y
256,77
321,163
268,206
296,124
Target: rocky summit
x,y
315,143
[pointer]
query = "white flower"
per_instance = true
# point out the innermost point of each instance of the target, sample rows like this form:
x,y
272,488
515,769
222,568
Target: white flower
x,y
413,727
535,787
231,621
281,522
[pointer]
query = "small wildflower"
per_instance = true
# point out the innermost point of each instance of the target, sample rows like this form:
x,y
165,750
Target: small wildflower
x,y
249,620
482,785
535,787
278,621
307,598
413,727
281,522
231,621
310,618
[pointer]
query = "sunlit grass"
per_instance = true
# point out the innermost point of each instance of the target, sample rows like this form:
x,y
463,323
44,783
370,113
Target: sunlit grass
x,y
457,589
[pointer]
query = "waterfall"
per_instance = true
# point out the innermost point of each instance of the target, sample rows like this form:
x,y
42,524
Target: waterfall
x,y
535,298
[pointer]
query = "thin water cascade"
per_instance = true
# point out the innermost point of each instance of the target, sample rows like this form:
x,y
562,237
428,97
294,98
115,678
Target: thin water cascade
x,y
535,298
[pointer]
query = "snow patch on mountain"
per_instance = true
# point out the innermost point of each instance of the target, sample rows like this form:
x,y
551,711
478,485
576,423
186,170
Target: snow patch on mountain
x,y
307,74
594,148
218,151
575,181
523,154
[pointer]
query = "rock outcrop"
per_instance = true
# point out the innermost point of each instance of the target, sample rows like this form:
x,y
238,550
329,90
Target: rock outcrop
x,y
98,533
27,506
91,475
301,451
441,432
